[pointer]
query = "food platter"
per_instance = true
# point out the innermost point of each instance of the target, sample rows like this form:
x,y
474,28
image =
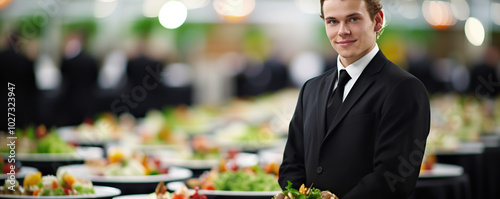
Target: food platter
x,y
442,170
177,185
21,173
250,145
70,134
79,154
192,163
47,163
175,173
129,184
46,157
100,192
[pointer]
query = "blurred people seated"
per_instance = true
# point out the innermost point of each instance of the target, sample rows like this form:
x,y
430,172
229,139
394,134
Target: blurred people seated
x,y
79,82
484,76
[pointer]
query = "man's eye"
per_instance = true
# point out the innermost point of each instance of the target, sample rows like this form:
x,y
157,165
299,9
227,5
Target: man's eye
x,y
353,19
332,22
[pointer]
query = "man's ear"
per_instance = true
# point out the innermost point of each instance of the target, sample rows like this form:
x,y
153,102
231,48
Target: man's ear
x,y
379,20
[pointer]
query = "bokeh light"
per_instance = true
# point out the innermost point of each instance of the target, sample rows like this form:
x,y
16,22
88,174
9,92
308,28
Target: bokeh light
x,y
4,3
304,66
460,9
234,10
151,8
409,9
172,15
474,31
104,8
438,14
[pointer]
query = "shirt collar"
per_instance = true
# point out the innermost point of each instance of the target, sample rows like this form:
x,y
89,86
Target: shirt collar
x,y
355,69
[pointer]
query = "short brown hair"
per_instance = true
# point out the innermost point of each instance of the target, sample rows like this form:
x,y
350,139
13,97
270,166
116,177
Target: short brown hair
x,y
373,7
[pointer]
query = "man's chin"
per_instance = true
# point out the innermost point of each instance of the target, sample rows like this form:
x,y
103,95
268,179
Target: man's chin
x,y
345,52
346,55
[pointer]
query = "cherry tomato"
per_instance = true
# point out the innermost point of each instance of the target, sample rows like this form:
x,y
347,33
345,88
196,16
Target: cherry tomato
x,y
232,153
36,192
196,195
208,185
175,196
231,165
69,191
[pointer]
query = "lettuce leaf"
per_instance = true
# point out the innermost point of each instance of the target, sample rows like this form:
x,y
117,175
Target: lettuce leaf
x,y
313,194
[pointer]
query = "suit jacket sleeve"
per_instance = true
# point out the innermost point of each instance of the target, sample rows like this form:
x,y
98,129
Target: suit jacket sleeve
x,y
292,168
399,143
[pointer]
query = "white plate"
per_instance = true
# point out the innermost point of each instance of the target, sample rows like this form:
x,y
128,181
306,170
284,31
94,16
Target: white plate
x,y
171,157
46,157
100,192
442,170
174,173
79,155
271,155
21,173
192,163
178,185
242,160
251,145
465,148
71,134
135,196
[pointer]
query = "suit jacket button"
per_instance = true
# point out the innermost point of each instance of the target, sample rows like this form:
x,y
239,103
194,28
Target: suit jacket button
x,y
319,170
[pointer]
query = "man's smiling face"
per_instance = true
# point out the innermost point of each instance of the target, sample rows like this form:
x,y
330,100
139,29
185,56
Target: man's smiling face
x,y
350,29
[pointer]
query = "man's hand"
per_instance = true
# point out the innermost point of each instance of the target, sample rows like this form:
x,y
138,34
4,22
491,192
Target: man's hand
x,y
328,195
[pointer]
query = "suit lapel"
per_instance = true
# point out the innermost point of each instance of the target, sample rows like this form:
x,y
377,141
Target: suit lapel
x,y
362,84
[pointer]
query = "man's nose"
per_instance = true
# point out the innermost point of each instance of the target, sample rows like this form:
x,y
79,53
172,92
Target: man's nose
x,y
344,30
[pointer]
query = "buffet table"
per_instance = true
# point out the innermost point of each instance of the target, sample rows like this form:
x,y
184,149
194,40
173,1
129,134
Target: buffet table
x,y
491,171
470,157
444,181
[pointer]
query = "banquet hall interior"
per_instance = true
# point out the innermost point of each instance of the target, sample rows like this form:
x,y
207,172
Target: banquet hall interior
x,y
197,86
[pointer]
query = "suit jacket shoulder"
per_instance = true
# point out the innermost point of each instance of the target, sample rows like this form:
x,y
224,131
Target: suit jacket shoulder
x,y
395,74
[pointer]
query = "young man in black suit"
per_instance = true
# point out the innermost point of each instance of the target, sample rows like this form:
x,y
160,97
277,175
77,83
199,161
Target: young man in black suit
x,y
359,130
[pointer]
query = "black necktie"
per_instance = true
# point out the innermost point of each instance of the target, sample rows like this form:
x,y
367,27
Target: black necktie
x,y
335,100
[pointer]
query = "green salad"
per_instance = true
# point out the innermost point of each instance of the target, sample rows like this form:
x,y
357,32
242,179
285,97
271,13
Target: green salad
x,y
304,193
39,140
241,180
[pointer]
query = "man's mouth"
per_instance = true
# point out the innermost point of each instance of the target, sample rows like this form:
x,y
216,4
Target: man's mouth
x,y
346,42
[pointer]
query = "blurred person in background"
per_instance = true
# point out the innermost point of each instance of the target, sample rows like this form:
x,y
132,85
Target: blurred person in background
x,y
484,76
265,70
260,78
279,74
79,81
18,69
141,66
359,130
420,65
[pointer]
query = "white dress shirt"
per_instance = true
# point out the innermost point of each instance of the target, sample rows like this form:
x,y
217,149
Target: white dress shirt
x,y
354,70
